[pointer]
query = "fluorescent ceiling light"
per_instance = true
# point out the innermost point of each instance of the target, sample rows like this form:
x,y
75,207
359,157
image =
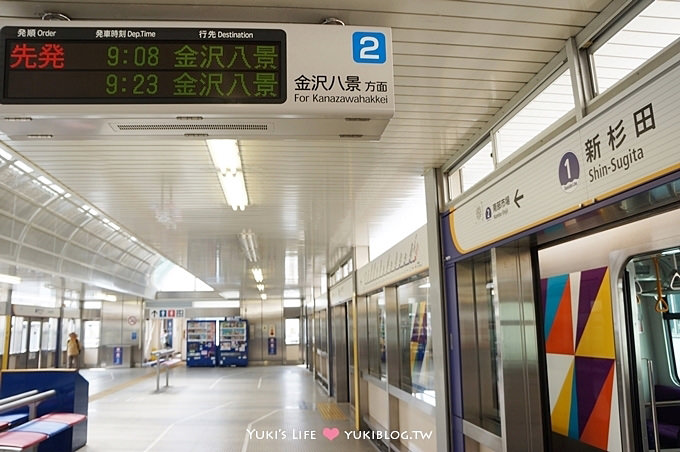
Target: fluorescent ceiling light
x,y
260,287
247,240
23,167
291,268
9,279
5,155
92,211
234,188
227,160
230,294
225,155
291,293
216,304
257,274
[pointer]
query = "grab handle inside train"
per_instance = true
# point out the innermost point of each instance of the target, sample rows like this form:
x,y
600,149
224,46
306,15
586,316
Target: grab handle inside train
x,y
675,279
661,303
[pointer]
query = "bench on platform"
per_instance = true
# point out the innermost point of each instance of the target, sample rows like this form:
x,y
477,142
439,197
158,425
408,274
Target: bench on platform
x,y
11,420
34,431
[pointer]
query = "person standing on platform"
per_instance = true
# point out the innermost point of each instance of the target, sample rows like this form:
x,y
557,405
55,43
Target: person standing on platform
x,y
73,351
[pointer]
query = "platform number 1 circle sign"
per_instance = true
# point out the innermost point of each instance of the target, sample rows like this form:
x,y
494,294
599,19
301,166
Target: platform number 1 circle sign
x,y
369,47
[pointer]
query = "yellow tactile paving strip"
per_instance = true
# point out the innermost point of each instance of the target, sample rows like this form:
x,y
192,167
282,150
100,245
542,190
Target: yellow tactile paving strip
x,y
330,412
127,384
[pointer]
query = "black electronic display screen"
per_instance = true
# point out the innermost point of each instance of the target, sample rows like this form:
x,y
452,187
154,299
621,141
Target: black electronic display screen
x,y
55,65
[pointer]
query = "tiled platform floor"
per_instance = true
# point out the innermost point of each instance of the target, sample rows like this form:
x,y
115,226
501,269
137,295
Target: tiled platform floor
x,y
248,409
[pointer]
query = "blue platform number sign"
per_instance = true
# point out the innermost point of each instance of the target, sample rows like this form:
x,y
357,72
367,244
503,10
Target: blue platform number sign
x,y
369,47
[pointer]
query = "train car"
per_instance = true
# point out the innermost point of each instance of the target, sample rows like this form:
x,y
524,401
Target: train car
x,y
563,288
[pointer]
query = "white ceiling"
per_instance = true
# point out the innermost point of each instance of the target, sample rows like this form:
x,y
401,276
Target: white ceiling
x,y
456,63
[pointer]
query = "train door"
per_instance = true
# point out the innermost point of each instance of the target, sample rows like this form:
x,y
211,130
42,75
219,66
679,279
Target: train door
x,y
340,366
651,289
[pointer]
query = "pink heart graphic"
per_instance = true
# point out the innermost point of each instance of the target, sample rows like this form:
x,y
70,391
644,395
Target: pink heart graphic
x,y
331,433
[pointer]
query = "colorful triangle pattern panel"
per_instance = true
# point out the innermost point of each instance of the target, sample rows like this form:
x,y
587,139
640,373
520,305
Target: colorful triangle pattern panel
x,y
596,430
597,335
561,414
590,375
560,339
590,286
578,325
553,296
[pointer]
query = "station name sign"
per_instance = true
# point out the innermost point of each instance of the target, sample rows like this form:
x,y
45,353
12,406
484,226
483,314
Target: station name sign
x,y
629,141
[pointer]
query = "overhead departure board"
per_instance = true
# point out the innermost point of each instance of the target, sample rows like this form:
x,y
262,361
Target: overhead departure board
x,y
64,65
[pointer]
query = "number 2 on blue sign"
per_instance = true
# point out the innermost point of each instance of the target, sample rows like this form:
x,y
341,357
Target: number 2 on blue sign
x,y
369,47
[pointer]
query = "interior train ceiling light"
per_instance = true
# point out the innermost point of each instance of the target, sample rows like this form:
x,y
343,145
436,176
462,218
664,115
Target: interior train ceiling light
x,y
227,160
248,244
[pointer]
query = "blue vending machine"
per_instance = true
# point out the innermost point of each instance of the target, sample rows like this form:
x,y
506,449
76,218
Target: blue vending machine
x,y
233,335
201,348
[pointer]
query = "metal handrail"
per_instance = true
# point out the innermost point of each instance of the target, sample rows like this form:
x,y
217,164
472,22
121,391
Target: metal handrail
x,y
18,396
30,401
664,403
163,356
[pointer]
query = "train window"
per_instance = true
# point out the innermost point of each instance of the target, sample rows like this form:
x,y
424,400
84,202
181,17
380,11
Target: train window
x,y
657,294
656,27
551,104
415,340
454,184
477,167
376,336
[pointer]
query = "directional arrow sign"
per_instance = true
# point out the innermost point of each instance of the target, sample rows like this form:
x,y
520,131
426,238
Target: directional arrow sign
x,y
518,197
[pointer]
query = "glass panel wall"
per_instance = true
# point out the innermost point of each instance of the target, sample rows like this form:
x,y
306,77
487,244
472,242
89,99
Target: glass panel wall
x,y
415,340
18,340
376,336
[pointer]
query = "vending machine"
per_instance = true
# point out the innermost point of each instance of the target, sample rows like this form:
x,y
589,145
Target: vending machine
x,y
233,339
201,348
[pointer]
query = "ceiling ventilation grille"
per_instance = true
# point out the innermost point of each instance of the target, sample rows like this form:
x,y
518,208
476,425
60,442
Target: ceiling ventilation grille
x,y
193,127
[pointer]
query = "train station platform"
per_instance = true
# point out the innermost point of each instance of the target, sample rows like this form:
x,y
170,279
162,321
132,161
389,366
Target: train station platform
x,y
250,409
